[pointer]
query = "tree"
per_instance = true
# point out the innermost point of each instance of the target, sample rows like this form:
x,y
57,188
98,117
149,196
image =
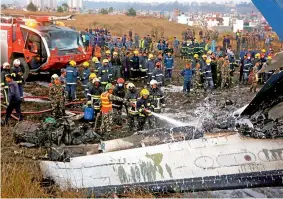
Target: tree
x,y
110,10
60,9
3,6
131,12
65,7
104,11
31,7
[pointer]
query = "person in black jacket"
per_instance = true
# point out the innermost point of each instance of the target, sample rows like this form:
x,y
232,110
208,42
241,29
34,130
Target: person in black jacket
x,y
4,85
119,91
14,99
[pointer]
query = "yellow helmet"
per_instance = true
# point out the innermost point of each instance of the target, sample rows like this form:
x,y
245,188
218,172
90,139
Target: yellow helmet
x,y
115,53
195,55
72,63
105,61
263,50
144,92
204,56
136,52
208,61
85,64
269,57
150,56
95,59
107,52
209,52
92,76
257,55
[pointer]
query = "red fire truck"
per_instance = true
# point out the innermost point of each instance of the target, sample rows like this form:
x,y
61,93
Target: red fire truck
x,y
39,44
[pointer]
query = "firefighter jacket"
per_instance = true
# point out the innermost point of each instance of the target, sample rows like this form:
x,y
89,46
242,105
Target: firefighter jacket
x,y
94,94
157,97
119,92
158,75
143,105
247,65
169,62
135,63
104,74
18,74
85,76
207,72
132,97
71,75
4,84
150,66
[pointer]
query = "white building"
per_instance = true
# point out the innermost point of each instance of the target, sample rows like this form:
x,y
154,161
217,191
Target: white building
x,y
182,19
41,4
75,3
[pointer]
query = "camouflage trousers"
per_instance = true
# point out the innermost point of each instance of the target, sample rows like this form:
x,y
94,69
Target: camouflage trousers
x,y
106,122
58,109
224,82
253,86
117,114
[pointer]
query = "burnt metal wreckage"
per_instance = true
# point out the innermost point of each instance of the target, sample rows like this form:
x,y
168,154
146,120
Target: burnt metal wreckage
x,y
176,159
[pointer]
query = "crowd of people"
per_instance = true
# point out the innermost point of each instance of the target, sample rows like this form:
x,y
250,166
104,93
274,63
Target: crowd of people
x,y
118,65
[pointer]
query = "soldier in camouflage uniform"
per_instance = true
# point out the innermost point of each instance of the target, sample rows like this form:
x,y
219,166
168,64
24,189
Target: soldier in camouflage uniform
x,y
57,98
197,82
106,107
225,74
220,62
254,77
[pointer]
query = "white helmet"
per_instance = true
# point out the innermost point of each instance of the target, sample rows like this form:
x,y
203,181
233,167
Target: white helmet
x,y
16,62
95,80
5,65
54,76
152,82
130,85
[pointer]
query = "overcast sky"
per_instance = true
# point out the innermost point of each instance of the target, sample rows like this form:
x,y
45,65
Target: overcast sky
x,y
150,1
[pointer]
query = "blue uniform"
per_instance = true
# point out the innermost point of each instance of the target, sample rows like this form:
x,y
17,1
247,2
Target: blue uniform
x,y
187,74
246,69
85,79
169,64
71,81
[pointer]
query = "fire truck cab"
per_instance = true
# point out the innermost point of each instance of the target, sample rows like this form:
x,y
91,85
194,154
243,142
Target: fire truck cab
x,y
40,47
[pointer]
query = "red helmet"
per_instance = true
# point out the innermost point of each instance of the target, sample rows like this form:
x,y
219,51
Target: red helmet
x,y
158,64
120,81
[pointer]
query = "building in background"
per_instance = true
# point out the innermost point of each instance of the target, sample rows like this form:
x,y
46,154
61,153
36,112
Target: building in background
x,y
43,4
75,3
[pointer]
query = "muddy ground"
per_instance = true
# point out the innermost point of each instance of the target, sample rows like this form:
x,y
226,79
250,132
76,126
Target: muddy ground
x,y
197,109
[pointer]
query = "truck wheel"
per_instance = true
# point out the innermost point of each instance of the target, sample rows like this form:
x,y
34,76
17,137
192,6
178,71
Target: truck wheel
x,y
25,67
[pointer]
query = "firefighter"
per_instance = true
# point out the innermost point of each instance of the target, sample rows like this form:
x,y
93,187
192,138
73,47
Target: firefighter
x,y
144,107
18,75
169,65
90,84
132,96
208,81
158,74
57,98
118,91
4,84
95,65
184,50
106,107
190,51
104,74
117,65
150,67
156,96
134,66
14,99
94,93
71,80
143,59
85,76
247,68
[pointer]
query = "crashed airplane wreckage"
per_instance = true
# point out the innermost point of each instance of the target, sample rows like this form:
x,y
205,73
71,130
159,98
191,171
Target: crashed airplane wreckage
x,y
212,162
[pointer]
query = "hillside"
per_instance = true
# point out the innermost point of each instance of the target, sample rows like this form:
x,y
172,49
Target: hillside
x,y
117,24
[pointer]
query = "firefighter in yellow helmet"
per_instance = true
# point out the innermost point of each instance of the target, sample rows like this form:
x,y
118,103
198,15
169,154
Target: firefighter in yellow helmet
x,y
145,108
106,107
85,76
71,80
104,73
135,66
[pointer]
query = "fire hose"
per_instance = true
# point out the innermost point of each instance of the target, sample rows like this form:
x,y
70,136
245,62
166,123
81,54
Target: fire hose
x,y
43,111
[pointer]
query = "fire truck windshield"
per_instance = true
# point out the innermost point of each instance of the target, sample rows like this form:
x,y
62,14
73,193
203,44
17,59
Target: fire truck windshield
x,y
63,40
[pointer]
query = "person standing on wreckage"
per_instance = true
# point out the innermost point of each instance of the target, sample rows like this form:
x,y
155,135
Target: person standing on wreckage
x,y
106,108
57,97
